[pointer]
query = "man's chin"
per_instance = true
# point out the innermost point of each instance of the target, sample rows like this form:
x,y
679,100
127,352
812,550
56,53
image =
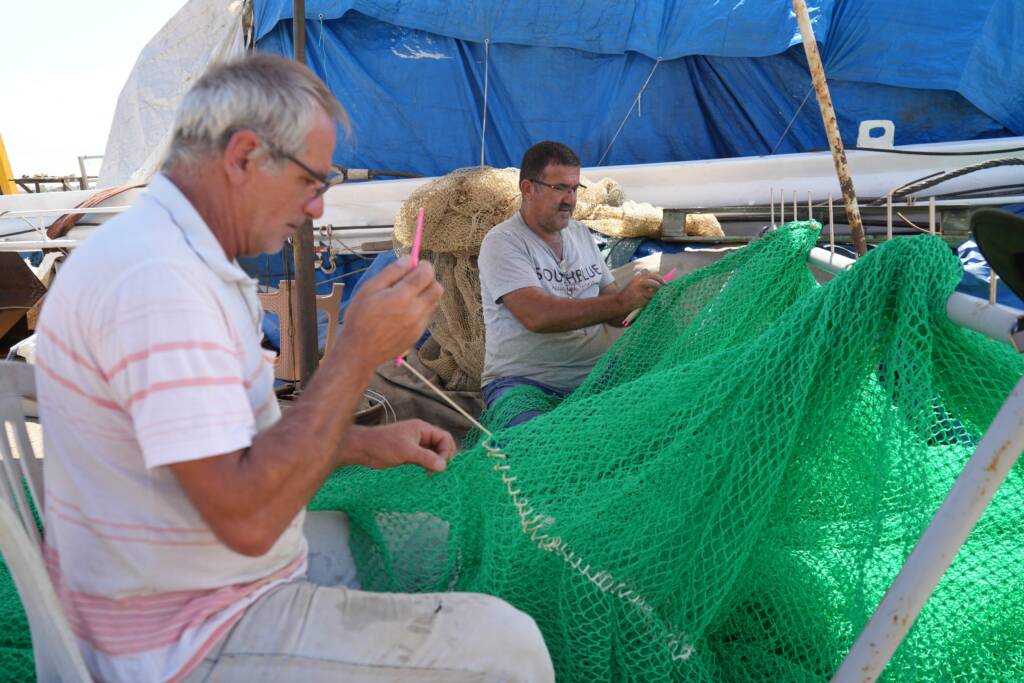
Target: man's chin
x,y
268,247
275,245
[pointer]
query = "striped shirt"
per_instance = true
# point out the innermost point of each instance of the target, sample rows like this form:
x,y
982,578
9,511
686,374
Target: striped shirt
x,y
149,354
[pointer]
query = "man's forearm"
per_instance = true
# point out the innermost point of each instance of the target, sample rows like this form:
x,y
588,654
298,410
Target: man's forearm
x,y
563,315
251,496
287,463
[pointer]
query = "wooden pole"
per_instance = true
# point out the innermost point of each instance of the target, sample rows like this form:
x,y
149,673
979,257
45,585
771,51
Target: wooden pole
x,y
828,115
83,180
303,301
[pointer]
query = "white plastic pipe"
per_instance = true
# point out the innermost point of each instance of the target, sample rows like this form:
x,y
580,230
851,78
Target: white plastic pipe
x,y
36,245
888,216
992,320
60,212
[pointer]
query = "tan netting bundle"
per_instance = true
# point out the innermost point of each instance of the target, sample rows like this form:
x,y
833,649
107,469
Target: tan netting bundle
x,y
458,209
603,207
603,193
703,225
632,219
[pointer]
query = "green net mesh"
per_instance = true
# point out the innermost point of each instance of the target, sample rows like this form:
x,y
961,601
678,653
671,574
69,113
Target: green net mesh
x,y
16,662
730,493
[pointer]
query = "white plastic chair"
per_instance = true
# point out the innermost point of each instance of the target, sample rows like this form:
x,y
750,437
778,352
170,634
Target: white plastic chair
x,y
56,652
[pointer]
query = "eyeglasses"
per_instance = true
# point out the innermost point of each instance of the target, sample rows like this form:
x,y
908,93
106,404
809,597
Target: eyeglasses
x,y
560,188
326,181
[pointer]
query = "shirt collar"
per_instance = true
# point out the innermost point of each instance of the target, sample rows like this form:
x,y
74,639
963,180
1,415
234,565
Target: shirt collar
x,y
195,230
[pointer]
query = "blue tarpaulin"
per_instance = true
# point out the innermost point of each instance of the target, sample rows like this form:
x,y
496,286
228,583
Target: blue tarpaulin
x,y
723,79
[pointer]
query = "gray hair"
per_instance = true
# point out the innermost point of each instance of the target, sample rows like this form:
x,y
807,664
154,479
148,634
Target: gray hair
x,y
275,97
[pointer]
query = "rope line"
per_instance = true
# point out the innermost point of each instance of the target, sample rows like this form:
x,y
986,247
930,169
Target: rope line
x,y
792,120
532,523
323,52
924,183
445,397
483,122
636,103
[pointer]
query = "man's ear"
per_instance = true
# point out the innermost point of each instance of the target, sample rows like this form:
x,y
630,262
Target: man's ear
x,y
525,188
238,155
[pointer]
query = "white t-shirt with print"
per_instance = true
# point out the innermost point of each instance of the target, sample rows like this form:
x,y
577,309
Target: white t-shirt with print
x,y
513,257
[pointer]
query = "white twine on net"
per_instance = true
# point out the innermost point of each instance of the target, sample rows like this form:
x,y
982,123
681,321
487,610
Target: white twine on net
x,y
483,121
446,398
531,523
635,105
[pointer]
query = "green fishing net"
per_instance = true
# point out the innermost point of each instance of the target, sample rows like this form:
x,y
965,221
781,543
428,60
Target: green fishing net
x,y
729,494
16,662
732,490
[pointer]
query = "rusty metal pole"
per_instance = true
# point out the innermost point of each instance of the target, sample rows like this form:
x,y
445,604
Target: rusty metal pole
x,y
302,303
828,115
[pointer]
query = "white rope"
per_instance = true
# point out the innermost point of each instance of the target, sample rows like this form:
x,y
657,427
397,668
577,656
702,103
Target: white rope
x,y
483,122
790,124
38,228
531,523
446,398
390,416
636,103
323,53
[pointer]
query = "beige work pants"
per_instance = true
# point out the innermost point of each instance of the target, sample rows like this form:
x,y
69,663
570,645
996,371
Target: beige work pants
x,y
304,632
332,632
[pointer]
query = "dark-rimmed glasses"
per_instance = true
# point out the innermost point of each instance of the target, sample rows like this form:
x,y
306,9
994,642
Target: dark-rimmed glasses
x,y
326,181
560,188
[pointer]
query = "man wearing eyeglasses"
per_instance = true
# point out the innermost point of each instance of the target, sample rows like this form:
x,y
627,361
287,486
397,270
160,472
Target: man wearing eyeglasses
x,y
547,293
175,490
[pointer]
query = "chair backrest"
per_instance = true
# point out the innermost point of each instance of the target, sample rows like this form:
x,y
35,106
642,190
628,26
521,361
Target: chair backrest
x,y
287,366
56,652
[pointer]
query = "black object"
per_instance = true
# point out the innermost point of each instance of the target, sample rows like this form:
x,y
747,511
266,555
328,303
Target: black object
x,y
1000,237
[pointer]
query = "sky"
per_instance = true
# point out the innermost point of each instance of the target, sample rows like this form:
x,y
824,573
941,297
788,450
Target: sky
x,y
65,62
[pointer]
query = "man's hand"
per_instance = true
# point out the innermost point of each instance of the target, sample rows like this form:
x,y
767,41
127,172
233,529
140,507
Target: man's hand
x,y
410,442
640,290
389,313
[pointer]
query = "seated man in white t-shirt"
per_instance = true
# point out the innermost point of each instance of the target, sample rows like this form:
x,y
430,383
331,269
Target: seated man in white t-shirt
x,y
174,488
547,293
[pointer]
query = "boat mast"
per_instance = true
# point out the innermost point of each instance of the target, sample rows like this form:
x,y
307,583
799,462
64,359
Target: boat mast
x,y
303,303
828,116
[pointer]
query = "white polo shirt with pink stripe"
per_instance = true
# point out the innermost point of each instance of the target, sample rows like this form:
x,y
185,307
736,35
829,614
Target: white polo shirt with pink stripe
x,y
149,354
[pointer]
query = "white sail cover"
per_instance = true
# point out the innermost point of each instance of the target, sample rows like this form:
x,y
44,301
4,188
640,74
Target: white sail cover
x,y
203,32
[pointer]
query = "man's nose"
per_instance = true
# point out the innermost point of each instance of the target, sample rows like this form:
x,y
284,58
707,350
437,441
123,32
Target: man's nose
x,y
314,207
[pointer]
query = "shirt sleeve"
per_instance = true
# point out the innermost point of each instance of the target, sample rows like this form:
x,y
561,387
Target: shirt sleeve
x,y
174,365
505,265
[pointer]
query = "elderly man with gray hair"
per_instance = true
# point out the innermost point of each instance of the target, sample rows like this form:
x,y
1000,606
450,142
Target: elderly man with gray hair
x,y
175,489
